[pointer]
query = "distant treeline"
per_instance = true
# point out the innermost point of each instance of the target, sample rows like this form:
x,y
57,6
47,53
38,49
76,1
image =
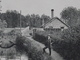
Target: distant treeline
x,y
12,18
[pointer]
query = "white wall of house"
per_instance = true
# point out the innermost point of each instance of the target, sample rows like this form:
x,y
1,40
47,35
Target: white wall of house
x,y
55,24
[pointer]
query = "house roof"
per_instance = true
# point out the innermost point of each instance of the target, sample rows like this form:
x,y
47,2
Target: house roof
x,y
57,19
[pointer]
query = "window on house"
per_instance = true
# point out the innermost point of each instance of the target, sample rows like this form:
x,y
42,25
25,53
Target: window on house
x,y
62,28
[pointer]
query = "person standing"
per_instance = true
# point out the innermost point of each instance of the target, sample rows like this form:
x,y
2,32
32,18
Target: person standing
x,y
48,44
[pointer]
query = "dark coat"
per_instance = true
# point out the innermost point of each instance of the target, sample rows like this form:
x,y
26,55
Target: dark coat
x,y
48,43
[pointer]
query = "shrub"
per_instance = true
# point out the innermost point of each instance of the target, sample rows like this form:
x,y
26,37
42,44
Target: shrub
x,y
11,53
35,52
32,49
40,38
69,46
1,32
19,44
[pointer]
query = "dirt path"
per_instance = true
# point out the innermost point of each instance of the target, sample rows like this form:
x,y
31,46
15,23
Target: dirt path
x,y
54,54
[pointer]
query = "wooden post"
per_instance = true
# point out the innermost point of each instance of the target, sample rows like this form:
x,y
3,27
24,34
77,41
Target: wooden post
x,y
20,23
20,19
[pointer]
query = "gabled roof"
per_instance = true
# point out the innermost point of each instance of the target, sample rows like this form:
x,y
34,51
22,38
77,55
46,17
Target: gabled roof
x,y
57,19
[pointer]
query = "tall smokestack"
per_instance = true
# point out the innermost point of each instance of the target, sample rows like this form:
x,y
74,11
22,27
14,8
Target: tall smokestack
x,y
52,13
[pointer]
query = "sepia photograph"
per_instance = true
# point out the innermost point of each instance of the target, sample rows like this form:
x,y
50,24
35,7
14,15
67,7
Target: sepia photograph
x,y
39,29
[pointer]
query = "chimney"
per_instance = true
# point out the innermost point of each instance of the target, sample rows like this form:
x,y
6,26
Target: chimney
x,y
52,13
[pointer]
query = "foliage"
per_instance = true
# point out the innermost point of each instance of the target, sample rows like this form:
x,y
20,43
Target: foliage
x,y
31,48
11,54
1,32
45,18
19,44
72,34
68,47
71,15
71,37
3,23
12,32
40,38
12,18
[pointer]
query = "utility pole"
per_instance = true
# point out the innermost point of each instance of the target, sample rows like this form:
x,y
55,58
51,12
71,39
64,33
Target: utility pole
x,y
0,13
20,20
0,6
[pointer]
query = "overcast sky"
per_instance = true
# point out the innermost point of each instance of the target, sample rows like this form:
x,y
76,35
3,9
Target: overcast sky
x,y
39,6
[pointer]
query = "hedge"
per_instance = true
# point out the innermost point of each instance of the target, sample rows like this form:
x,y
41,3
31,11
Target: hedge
x,y
32,49
69,49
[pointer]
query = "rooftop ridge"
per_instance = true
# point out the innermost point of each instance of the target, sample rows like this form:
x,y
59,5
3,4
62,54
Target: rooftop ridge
x,y
57,19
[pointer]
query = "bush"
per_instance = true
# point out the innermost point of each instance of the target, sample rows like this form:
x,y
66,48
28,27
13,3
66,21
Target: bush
x,y
1,32
11,54
12,32
19,44
35,52
69,46
32,49
40,38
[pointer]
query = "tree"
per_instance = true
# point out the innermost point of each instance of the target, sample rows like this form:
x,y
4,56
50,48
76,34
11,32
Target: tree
x,y
71,43
46,18
27,19
3,23
33,21
12,18
38,21
70,15
8,18
78,22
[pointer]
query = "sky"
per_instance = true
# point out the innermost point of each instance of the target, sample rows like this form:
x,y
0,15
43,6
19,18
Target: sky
x,y
39,6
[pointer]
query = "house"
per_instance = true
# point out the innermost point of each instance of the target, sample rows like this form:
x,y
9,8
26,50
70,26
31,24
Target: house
x,y
55,23
55,26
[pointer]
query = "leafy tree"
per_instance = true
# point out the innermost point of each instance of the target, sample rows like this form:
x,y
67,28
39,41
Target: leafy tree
x,y
28,18
71,43
78,22
3,23
70,15
12,18
33,22
46,18
36,20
